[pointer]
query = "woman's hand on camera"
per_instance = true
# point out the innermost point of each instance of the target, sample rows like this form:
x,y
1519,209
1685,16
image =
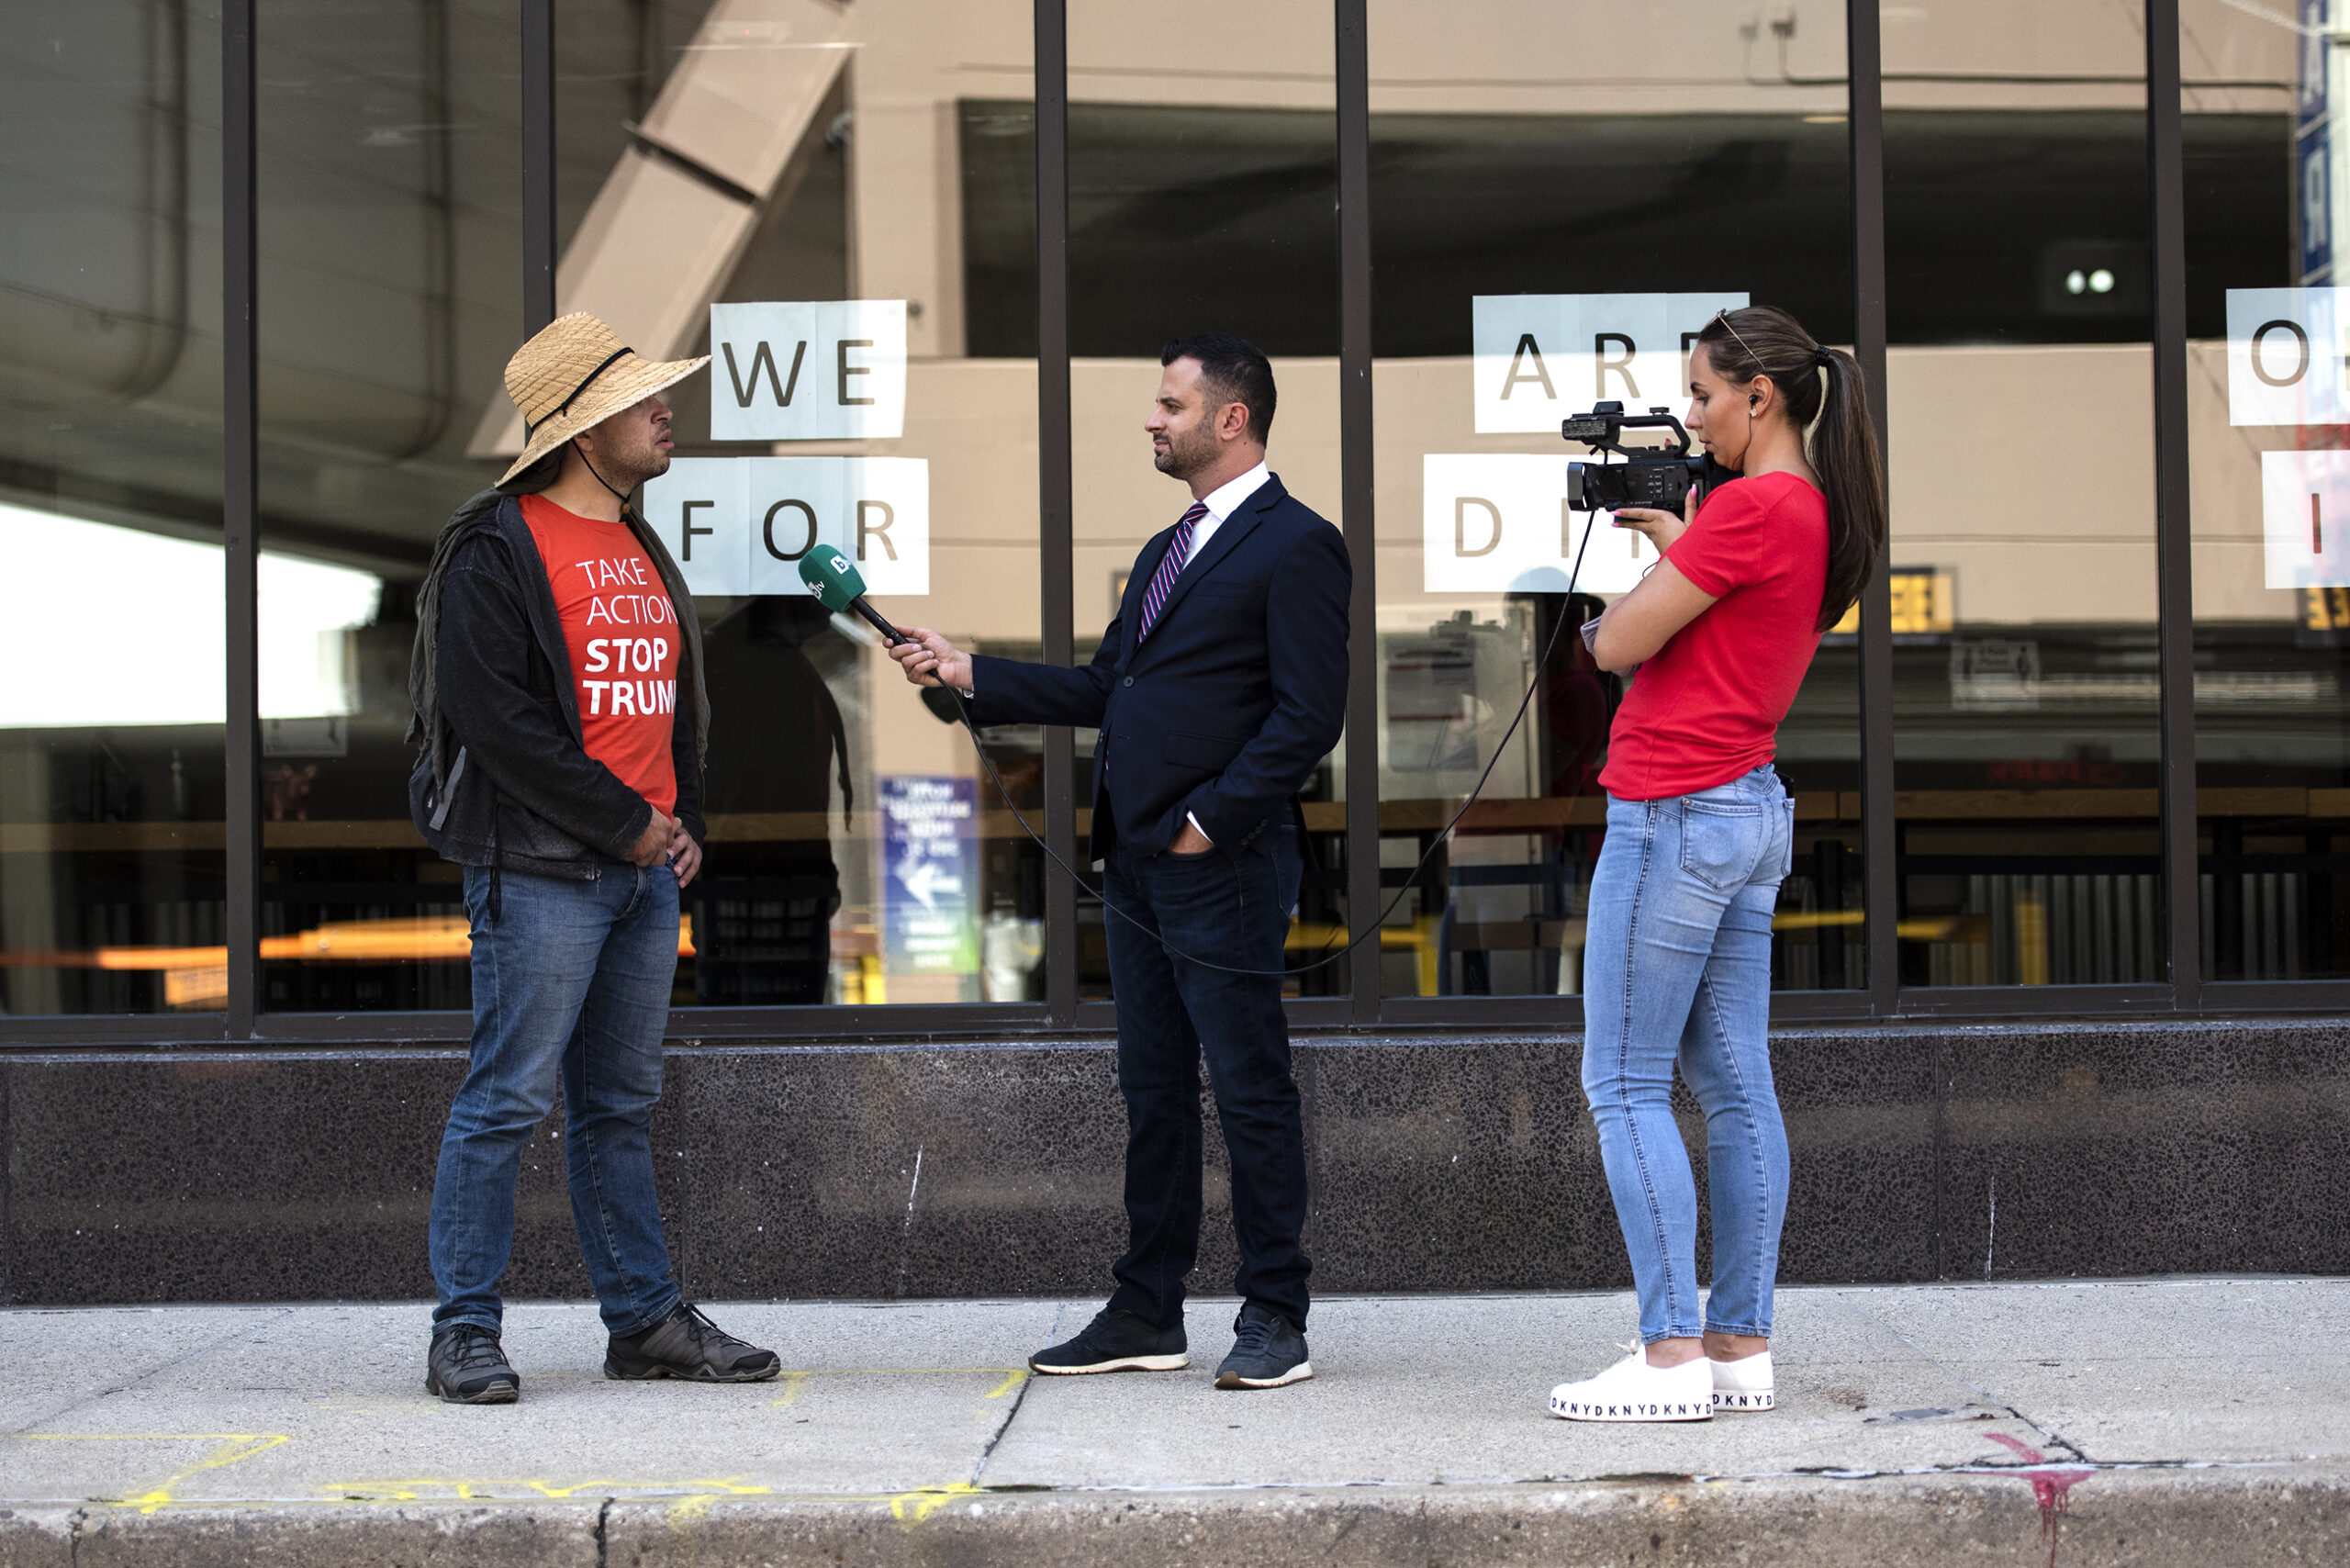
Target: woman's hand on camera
x,y
1662,527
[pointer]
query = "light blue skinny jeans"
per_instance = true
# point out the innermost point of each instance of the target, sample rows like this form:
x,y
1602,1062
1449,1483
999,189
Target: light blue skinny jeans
x,y
1677,967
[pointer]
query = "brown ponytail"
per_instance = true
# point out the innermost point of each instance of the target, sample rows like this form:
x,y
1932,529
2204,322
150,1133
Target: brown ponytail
x,y
1826,398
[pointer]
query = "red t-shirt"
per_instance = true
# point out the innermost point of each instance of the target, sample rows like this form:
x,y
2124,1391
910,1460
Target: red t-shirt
x,y
623,632
1707,708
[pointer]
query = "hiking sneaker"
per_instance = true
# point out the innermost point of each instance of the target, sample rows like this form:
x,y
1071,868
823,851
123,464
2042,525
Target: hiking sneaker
x,y
467,1366
686,1344
1266,1352
1745,1383
1632,1390
1116,1341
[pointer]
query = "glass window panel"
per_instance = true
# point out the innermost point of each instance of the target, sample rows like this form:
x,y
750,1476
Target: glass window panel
x,y
826,769
1203,194
845,184
2265,174
111,763
1524,151
390,269
2027,733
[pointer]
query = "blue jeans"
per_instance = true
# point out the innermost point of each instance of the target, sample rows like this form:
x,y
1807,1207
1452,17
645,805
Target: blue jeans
x,y
1230,907
1677,966
571,982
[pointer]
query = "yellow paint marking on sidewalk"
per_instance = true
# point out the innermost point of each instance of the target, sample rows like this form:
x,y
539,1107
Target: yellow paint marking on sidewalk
x,y
692,1499
913,1507
233,1446
1019,1375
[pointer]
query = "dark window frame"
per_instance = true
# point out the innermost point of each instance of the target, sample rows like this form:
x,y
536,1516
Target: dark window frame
x,y
1362,1007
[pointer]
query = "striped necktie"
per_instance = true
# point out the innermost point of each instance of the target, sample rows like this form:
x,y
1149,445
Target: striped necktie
x,y
1170,566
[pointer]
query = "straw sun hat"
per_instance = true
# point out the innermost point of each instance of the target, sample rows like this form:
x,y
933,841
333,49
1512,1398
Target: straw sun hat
x,y
576,374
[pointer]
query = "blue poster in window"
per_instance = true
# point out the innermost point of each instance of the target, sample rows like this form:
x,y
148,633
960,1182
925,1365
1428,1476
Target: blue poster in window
x,y
929,849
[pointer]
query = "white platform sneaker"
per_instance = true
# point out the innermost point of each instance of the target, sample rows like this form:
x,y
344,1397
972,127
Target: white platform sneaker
x,y
1632,1390
1742,1384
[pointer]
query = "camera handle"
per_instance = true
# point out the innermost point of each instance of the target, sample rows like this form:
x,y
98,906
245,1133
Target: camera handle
x,y
1602,430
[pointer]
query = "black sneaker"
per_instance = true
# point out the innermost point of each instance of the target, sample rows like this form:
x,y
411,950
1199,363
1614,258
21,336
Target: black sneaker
x,y
467,1366
1266,1354
686,1344
1116,1341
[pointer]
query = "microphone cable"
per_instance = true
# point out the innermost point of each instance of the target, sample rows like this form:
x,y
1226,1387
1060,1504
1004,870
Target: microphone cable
x,y
963,707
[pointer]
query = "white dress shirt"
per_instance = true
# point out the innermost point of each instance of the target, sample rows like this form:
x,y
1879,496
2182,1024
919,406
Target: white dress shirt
x,y
1221,502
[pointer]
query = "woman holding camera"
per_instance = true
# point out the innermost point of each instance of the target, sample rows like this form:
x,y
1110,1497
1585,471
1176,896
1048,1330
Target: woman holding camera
x,y
1677,962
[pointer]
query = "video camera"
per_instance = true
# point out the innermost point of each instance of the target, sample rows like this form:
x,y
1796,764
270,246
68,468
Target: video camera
x,y
1650,476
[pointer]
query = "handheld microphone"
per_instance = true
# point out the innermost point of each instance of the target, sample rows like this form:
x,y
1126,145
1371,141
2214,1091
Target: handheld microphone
x,y
836,581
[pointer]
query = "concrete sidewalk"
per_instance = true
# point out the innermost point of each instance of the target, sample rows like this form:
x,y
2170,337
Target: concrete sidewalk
x,y
2191,1421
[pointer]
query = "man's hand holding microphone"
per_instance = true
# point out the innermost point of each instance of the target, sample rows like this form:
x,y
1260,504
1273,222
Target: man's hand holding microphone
x,y
927,658
930,659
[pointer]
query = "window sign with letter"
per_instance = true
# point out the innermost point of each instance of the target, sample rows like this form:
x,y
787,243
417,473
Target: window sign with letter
x,y
2305,518
827,371
740,525
1498,523
2286,349
1540,357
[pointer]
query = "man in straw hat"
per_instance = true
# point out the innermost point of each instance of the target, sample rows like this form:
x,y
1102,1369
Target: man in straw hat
x,y
557,685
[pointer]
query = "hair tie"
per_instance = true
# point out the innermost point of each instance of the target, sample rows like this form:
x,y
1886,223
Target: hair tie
x,y
1822,357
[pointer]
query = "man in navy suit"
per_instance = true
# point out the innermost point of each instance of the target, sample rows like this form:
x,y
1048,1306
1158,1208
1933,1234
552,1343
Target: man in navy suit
x,y
1217,691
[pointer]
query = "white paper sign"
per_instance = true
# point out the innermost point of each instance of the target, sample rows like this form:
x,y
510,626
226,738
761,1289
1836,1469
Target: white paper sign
x,y
1498,523
2285,364
2305,518
740,525
1541,357
827,371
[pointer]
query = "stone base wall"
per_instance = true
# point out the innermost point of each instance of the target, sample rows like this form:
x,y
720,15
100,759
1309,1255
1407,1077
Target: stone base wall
x,y
1453,1163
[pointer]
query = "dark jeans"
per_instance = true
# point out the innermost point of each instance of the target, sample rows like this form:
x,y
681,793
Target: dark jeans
x,y
572,981
1229,907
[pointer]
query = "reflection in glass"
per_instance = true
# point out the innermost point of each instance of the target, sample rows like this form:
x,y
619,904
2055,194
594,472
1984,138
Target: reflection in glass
x,y
2021,456
1203,190
702,159
2266,427
1501,180
859,853
390,254
111,775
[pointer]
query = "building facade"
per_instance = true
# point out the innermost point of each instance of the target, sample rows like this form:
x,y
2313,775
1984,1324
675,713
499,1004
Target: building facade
x,y
2070,783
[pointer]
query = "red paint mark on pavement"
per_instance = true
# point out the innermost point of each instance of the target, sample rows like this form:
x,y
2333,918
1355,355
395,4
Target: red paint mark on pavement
x,y
2052,1485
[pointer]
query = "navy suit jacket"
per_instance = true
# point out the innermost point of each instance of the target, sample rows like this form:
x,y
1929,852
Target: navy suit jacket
x,y
1225,710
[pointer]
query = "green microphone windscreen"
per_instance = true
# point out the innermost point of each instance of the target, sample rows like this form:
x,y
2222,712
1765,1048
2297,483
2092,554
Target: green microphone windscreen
x,y
833,577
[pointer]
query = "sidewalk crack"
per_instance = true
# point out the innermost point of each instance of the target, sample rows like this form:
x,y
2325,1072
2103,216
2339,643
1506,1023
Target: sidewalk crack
x,y
603,1542
41,1422
1052,1335
2048,1434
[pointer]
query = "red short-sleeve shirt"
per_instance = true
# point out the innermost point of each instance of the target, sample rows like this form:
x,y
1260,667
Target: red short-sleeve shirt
x,y
1707,708
623,632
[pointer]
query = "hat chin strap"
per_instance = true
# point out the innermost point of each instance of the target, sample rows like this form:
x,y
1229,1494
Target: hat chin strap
x,y
622,495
